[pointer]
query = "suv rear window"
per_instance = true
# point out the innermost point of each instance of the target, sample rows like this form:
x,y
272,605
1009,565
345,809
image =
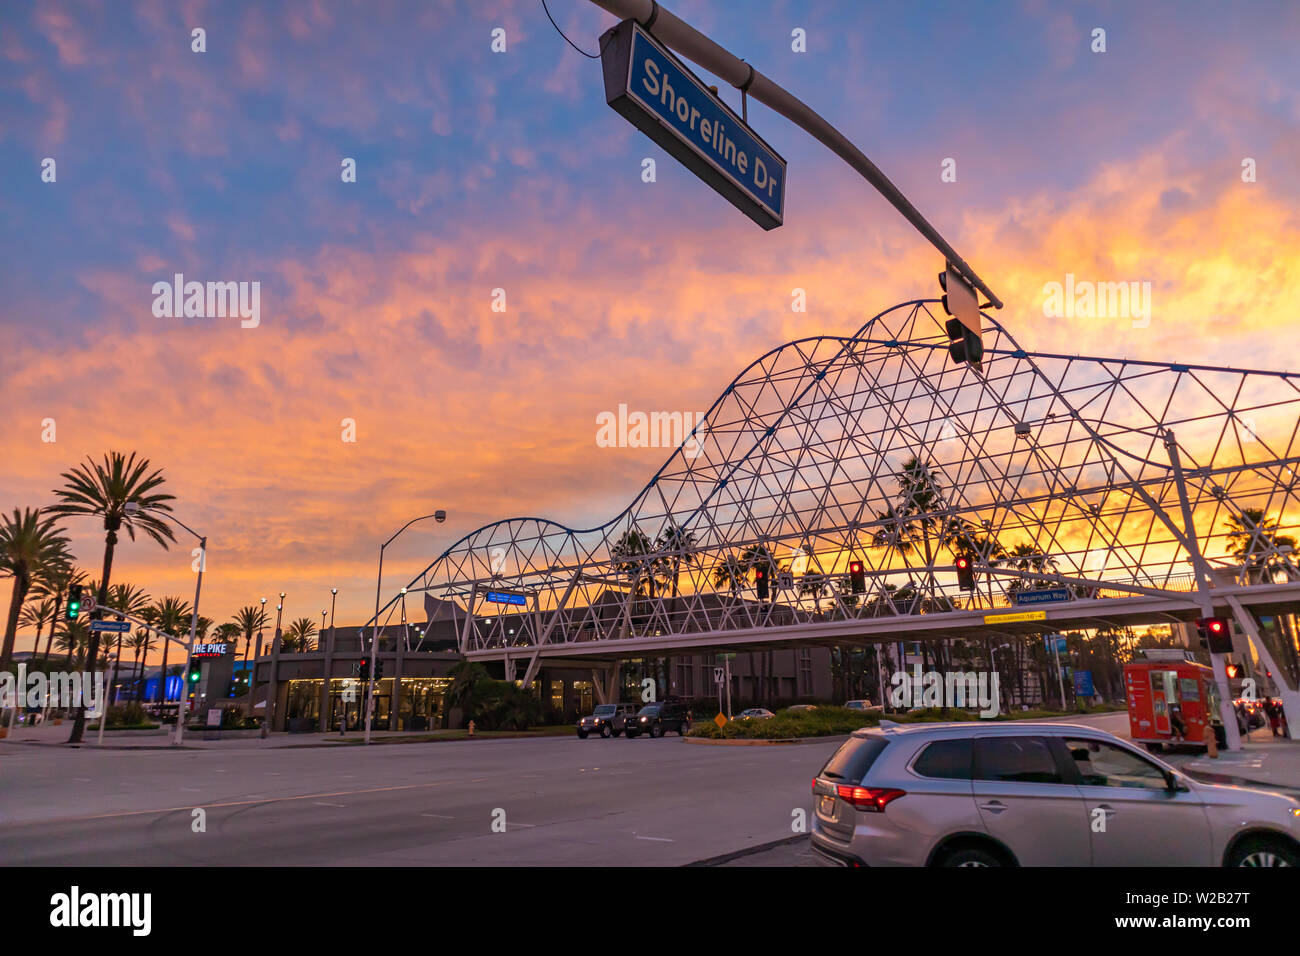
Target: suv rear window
x,y
946,759
854,758
604,710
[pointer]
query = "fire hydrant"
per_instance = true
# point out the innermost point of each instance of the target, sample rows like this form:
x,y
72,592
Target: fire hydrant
x,y
471,728
1211,742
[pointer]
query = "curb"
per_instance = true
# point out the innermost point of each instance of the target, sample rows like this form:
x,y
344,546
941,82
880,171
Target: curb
x,y
750,851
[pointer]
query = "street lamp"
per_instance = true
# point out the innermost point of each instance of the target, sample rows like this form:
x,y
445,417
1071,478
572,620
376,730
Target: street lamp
x,y
132,507
275,648
439,516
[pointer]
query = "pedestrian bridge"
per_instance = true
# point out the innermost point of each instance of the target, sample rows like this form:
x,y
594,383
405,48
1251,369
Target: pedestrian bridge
x,y
1150,492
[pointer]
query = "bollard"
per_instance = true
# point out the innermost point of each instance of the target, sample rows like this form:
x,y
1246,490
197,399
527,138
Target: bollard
x,y
1211,742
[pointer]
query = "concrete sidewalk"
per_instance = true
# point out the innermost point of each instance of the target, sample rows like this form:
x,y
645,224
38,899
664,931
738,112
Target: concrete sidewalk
x,y
1263,760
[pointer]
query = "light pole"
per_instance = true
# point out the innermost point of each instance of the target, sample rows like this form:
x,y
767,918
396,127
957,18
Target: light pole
x,y
439,516
131,508
275,659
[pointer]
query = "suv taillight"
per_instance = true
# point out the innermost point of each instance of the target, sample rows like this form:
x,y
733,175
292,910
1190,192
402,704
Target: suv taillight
x,y
872,799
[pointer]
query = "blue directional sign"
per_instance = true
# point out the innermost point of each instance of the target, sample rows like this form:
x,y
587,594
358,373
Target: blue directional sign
x,y
656,93
1083,684
505,597
1055,642
112,627
1047,596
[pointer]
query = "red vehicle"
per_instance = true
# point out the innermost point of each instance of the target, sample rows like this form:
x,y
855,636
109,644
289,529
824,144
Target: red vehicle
x,y
1155,688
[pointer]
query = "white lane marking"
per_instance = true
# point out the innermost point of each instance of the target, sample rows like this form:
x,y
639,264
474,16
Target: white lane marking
x,y
511,823
440,816
656,839
322,803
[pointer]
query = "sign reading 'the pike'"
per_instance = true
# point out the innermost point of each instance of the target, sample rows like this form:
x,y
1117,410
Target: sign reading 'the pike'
x,y
656,93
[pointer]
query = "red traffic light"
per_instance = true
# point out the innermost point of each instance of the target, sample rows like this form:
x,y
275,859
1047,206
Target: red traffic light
x,y
963,563
855,567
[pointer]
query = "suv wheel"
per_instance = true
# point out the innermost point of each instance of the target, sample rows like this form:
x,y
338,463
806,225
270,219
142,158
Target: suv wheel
x,y
582,735
1263,851
656,731
970,856
604,731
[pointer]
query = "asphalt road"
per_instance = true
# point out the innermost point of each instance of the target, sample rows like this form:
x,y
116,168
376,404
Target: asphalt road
x,y
558,800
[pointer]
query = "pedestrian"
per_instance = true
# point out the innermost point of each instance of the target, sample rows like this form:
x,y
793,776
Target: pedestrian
x,y
1271,710
1176,723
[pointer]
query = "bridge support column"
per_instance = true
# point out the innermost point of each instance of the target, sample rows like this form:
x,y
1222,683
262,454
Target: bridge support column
x,y
1290,698
606,684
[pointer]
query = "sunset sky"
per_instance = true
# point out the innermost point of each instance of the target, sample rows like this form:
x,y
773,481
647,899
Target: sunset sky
x,y
479,170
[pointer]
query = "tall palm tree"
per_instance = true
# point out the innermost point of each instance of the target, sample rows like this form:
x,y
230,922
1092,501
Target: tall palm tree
x,y
128,599
172,616
30,542
104,490
37,615
251,618
298,636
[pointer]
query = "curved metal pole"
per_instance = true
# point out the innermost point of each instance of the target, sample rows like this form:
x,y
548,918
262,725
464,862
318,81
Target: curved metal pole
x,y
695,46
374,630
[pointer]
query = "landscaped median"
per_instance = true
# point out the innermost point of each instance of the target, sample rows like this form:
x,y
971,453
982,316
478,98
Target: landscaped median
x,y
791,726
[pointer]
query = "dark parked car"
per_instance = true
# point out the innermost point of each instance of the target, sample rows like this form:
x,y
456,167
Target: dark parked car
x,y
656,719
606,719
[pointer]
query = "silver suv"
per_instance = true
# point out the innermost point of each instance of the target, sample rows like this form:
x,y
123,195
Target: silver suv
x,y
1034,795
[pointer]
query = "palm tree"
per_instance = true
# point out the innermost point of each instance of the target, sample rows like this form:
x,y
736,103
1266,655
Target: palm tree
x,y
73,639
128,599
30,543
250,619
1028,559
55,583
680,547
141,642
731,573
630,553
1254,538
104,490
298,636
37,615
171,616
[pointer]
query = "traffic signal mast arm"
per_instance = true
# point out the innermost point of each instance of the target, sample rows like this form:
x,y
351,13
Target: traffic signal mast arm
x,y
137,622
695,46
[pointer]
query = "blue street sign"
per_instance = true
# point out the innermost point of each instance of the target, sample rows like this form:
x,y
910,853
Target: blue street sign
x,y
504,597
656,93
1047,596
1083,684
112,627
1059,639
